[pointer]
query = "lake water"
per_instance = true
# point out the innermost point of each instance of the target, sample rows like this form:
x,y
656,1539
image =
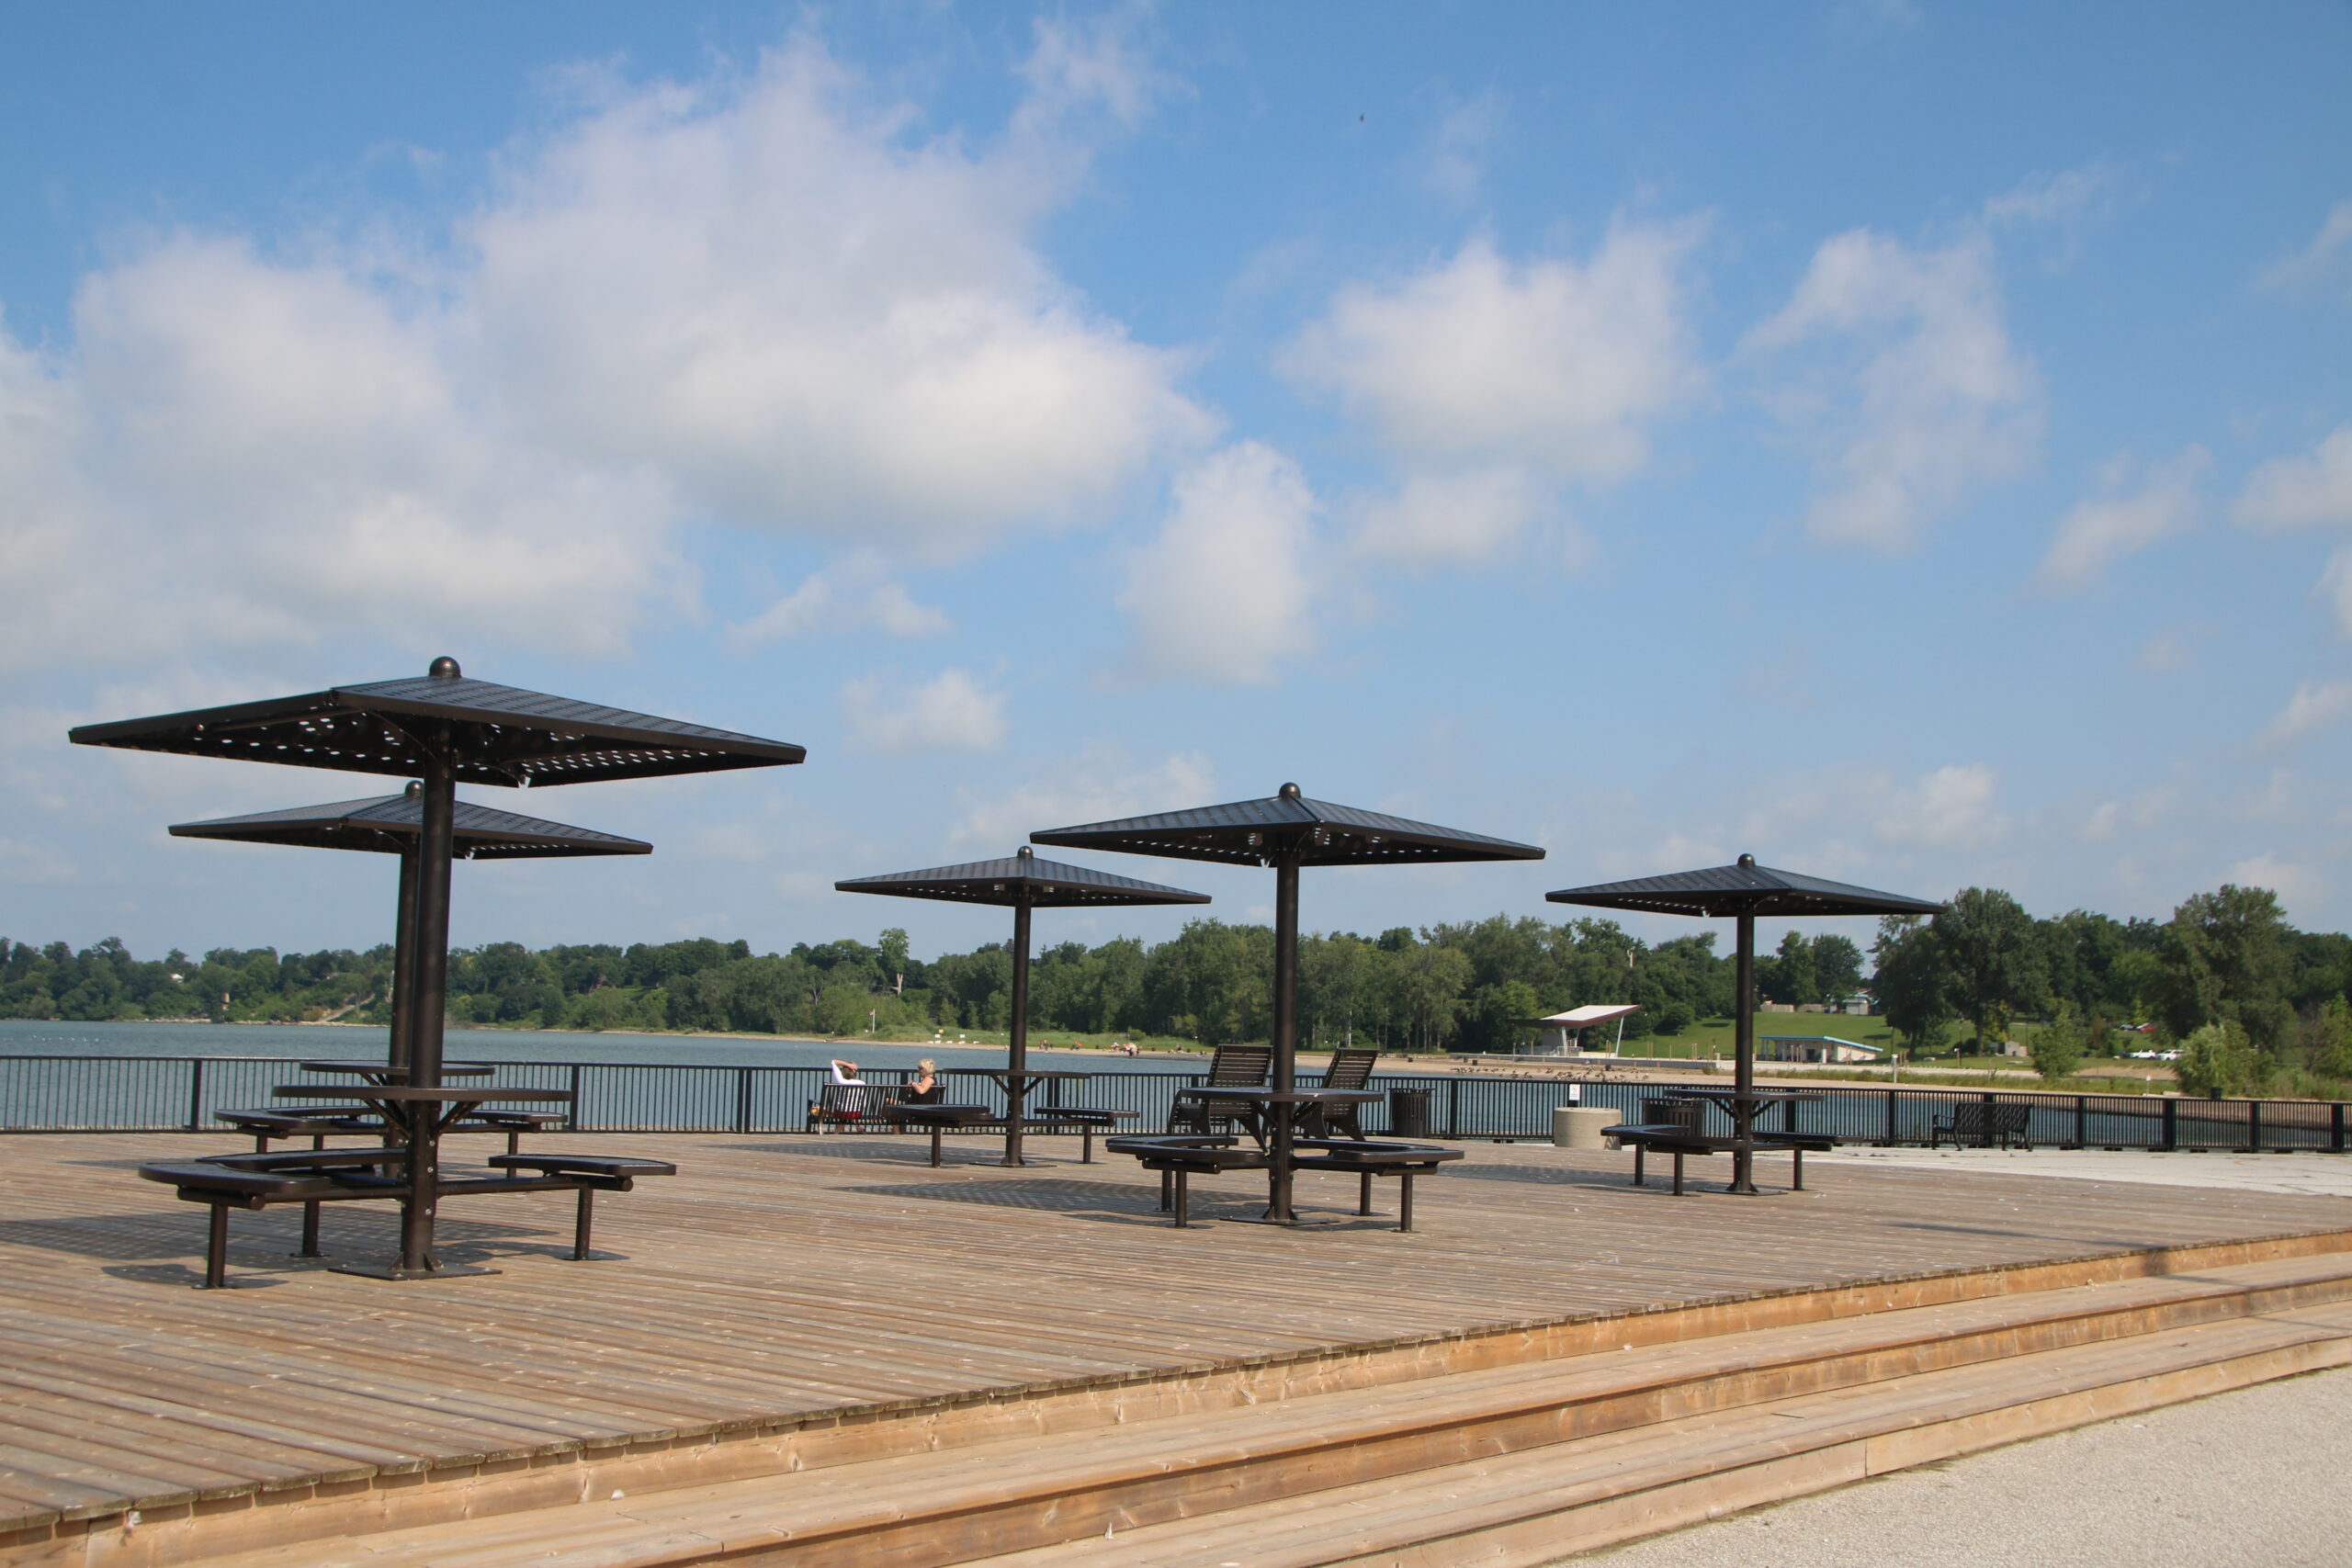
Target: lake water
x,y
296,1041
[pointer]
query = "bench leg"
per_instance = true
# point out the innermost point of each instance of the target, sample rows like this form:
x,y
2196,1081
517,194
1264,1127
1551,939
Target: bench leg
x,y
216,1249
1086,1143
513,1140
1363,1193
1639,1150
310,1231
1798,1184
1677,1173
935,1130
1404,1199
1167,1190
1184,1200
584,1224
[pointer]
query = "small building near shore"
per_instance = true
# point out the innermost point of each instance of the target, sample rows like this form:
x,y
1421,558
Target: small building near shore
x,y
1816,1048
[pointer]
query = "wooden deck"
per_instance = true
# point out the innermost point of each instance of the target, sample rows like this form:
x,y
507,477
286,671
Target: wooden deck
x,y
781,1277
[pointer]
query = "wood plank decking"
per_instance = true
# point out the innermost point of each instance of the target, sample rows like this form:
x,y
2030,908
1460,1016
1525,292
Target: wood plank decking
x,y
792,1279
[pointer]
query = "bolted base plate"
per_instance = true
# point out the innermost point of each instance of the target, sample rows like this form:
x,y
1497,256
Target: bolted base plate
x,y
394,1271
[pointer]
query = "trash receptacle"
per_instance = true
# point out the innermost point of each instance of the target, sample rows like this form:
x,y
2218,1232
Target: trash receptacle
x,y
1408,1112
1579,1127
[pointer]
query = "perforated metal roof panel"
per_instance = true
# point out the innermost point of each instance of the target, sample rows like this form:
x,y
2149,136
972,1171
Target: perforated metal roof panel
x,y
1256,832
1022,879
498,735
1745,889
389,824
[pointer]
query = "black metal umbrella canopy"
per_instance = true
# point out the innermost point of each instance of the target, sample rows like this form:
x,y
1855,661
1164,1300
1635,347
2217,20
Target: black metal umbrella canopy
x,y
442,727
1287,831
392,824
1024,883
1744,891
481,732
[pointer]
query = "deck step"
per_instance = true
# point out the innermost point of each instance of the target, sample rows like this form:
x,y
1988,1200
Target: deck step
x,y
1519,1510
1798,1407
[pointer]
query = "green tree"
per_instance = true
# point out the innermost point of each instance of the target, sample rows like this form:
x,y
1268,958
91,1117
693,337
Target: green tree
x,y
1992,958
1788,975
1837,965
2220,1060
2332,1039
2226,961
2058,1045
1912,987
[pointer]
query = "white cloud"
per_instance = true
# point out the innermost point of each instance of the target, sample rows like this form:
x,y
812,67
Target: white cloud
x,y
1952,806
35,861
1943,402
851,595
1491,383
1454,165
2289,492
1457,517
811,321
1223,593
758,299
2329,254
2298,886
1550,363
2066,198
950,712
2316,705
2101,530
2168,648
1101,783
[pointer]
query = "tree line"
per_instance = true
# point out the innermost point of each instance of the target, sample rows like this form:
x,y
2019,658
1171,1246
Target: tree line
x,y
2226,961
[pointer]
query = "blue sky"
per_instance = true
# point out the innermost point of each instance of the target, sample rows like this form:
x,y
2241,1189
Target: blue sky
x,y
1912,443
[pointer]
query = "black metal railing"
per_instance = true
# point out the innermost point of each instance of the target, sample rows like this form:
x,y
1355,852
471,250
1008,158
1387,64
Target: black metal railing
x,y
156,1094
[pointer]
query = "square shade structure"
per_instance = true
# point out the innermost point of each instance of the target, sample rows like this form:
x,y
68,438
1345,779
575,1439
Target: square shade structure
x,y
1025,883
439,728
1744,891
1286,831
390,824
1288,825
494,734
1022,879
394,824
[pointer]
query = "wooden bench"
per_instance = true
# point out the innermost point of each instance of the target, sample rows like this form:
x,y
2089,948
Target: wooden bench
x,y
851,1104
1973,1123
940,1120
1181,1156
312,1177
1676,1138
1366,1158
320,1122
316,1122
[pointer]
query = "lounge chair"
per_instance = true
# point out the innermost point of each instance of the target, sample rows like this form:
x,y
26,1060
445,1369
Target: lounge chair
x,y
1233,1066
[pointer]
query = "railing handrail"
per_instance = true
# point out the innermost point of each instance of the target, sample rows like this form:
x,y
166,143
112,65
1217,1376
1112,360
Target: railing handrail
x,y
62,1092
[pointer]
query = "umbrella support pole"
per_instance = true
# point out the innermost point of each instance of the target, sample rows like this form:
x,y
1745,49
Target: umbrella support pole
x,y
1016,1081
1743,1112
1286,1032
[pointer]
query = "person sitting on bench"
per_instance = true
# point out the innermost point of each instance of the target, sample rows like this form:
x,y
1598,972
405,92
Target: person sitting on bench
x,y
924,1088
